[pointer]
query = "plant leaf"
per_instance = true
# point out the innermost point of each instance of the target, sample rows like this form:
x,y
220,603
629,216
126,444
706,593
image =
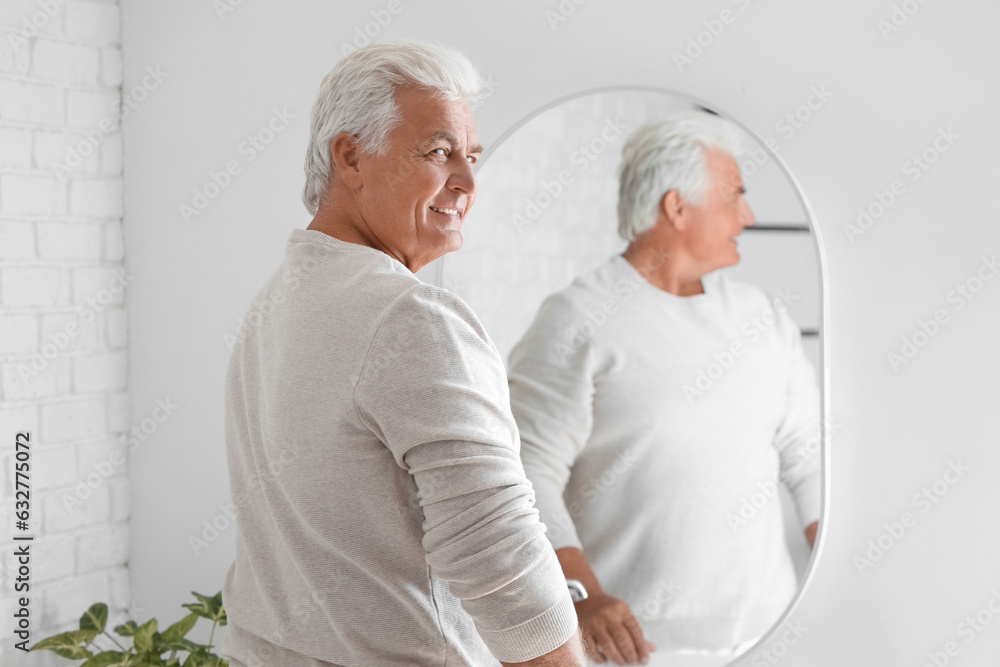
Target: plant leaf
x,y
66,644
143,639
199,609
220,613
180,628
108,659
222,617
85,636
181,644
147,658
210,607
95,617
127,629
211,603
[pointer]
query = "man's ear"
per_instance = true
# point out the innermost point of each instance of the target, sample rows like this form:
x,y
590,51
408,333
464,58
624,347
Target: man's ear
x,y
344,156
674,209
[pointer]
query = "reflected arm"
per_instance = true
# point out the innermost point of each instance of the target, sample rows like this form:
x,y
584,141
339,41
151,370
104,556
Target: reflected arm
x,y
810,534
551,394
575,566
798,436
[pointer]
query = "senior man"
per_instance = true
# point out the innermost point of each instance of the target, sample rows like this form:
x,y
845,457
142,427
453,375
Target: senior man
x,y
641,468
383,515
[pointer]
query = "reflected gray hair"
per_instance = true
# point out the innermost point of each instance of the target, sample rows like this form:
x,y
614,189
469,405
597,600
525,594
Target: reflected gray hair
x,y
668,155
358,97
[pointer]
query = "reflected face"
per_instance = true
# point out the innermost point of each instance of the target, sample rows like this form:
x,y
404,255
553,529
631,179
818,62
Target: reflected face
x,y
721,217
416,196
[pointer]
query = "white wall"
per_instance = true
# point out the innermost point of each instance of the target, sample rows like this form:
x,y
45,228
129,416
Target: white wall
x,y
63,331
896,431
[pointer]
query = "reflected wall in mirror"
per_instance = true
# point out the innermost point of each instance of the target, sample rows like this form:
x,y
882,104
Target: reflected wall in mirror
x,y
672,437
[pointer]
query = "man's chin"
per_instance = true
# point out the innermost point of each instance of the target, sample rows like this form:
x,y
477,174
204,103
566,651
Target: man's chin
x,y
730,258
452,241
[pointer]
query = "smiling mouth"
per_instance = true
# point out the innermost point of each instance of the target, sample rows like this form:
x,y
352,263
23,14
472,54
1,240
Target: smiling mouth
x,y
444,211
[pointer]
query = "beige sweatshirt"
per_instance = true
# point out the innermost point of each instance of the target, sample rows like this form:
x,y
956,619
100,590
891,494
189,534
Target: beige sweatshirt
x,y
383,514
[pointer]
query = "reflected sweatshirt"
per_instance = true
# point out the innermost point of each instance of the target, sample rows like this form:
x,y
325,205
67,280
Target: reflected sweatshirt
x,y
655,429
383,515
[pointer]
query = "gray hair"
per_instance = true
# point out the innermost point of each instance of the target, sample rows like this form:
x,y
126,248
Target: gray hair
x,y
668,155
358,97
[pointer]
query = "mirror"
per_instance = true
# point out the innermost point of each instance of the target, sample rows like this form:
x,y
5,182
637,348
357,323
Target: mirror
x,y
684,526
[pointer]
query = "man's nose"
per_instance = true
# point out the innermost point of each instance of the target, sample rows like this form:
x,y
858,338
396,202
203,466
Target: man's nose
x,y
746,215
462,178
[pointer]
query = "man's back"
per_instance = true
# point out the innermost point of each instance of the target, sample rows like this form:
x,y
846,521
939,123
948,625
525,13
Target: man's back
x,y
374,463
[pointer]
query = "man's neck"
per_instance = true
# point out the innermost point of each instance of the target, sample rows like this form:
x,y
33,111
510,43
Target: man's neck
x,y
664,269
333,223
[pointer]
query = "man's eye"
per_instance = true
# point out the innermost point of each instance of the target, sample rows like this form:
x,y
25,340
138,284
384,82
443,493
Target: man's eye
x,y
444,151
472,158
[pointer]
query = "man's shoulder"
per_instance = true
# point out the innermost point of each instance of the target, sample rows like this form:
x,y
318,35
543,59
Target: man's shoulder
x,y
741,297
589,289
736,289
424,307
347,272
748,302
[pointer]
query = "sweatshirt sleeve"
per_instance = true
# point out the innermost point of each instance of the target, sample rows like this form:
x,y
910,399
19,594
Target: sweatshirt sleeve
x,y
798,436
551,381
433,389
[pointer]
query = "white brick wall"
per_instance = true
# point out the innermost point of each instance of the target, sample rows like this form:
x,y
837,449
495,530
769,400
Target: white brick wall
x,y
63,327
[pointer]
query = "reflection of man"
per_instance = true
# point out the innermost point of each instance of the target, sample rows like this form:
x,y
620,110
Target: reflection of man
x,y
641,470
384,517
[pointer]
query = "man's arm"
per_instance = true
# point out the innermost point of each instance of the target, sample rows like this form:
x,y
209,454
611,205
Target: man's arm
x,y
606,621
433,390
551,386
798,437
552,390
569,654
811,533
575,566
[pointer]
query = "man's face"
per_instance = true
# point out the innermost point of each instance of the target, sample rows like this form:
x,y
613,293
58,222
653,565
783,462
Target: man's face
x,y
721,217
416,196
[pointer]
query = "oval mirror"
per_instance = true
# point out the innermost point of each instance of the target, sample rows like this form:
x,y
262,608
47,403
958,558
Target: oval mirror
x,y
673,439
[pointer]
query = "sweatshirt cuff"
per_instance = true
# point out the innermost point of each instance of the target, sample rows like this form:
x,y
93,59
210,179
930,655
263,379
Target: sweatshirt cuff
x,y
535,637
808,498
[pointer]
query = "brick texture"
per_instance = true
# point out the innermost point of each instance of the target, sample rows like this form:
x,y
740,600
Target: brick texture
x,y
63,323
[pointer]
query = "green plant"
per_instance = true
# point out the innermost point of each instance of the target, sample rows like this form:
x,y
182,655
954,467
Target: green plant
x,y
148,645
